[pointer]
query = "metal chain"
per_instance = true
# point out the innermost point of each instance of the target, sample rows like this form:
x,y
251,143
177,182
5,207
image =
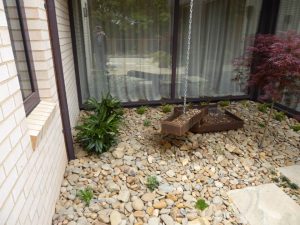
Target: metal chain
x,y
188,56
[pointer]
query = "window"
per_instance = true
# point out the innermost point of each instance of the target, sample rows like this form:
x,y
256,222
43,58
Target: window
x,y
15,15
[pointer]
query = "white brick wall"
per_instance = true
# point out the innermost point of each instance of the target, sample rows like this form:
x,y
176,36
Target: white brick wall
x,y
67,58
30,180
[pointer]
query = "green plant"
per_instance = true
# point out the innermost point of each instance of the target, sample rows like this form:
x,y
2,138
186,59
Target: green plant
x,y
147,123
141,110
275,179
263,107
204,103
98,129
279,116
224,103
166,108
201,204
152,183
262,125
288,182
296,127
86,195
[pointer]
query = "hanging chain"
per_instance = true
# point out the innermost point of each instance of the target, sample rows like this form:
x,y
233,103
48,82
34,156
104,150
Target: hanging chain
x,y
188,55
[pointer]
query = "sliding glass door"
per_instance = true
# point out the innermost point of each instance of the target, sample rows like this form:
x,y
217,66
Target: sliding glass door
x,y
125,47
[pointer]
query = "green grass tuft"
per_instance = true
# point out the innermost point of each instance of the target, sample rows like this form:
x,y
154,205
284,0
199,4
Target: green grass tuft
x,y
201,204
279,116
141,110
147,123
263,107
296,127
152,183
166,108
224,103
86,195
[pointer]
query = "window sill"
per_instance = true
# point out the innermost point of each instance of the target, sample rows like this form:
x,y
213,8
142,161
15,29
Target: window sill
x,y
38,121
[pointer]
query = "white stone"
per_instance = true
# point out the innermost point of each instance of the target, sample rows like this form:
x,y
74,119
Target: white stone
x,y
266,204
124,195
115,218
138,204
153,221
167,219
170,173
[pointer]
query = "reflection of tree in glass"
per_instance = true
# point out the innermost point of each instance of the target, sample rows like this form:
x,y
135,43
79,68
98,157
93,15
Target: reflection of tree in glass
x,y
128,13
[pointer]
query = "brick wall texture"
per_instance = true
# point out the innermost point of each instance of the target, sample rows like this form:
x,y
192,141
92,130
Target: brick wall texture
x,y
30,180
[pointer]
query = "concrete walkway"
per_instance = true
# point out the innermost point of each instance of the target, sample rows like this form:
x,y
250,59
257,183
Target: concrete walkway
x,y
265,204
291,172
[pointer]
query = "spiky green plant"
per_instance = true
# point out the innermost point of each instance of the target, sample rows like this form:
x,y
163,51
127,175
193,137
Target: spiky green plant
x,y
166,108
147,123
201,204
224,103
98,129
141,110
86,195
152,183
262,125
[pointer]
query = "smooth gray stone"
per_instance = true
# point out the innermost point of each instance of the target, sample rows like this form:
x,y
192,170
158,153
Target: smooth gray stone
x,y
291,172
266,204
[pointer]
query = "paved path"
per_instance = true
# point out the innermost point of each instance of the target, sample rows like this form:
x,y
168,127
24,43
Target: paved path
x,y
291,172
265,204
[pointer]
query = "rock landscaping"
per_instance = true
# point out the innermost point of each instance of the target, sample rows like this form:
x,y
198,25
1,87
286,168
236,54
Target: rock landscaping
x,y
188,168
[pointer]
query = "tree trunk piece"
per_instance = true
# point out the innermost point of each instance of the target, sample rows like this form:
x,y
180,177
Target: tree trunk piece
x,y
261,142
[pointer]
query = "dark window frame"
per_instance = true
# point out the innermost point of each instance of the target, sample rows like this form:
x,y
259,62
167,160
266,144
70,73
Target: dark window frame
x,y
33,99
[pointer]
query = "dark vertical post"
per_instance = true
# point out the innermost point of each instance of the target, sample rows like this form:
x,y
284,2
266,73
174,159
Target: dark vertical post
x,y
174,47
59,76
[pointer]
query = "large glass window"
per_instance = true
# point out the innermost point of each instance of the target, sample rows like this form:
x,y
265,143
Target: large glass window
x,y
289,20
127,48
220,33
21,48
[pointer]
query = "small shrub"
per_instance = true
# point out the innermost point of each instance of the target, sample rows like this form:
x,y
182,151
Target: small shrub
x,y
99,128
262,125
203,103
263,107
296,127
141,110
285,179
224,103
86,195
147,123
279,116
166,108
152,183
275,179
201,204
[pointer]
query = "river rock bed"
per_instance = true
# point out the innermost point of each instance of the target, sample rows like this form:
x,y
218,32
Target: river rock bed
x,y
188,168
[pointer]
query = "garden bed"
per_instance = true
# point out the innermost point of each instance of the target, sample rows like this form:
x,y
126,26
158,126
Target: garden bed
x,y
188,168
